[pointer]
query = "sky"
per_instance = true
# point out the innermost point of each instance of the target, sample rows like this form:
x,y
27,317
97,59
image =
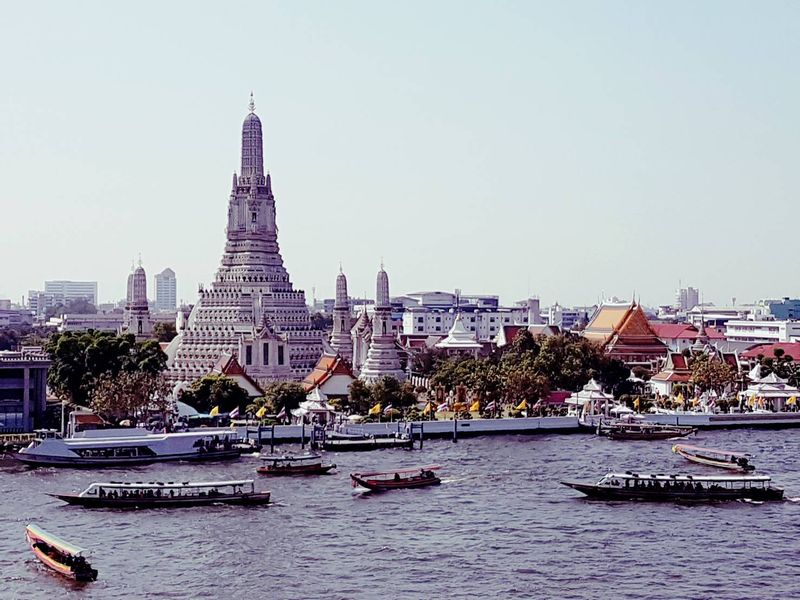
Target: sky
x,y
569,150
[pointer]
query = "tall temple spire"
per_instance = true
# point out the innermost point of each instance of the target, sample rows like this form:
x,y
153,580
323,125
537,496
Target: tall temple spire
x,y
382,289
340,338
382,356
252,148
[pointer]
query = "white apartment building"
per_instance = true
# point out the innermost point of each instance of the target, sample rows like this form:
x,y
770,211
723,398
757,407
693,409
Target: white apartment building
x,y
485,324
63,291
166,290
762,331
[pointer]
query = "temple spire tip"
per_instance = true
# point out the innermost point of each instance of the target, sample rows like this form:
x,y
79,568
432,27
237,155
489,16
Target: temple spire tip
x,y
252,103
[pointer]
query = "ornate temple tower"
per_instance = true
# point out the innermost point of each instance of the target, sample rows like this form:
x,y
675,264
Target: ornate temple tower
x,y
251,310
137,312
382,358
340,338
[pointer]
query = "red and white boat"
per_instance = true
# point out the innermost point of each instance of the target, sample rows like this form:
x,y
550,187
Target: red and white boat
x,y
382,481
62,557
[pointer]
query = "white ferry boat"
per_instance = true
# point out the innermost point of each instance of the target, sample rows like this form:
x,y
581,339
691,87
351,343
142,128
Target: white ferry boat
x,y
120,447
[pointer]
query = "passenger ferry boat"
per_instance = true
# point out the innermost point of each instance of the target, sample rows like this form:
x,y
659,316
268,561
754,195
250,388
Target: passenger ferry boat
x,y
356,443
62,557
157,494
128,447
735,461
396,480
688,488
302,464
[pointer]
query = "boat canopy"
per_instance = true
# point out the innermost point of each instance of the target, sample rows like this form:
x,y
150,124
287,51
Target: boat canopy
x,y
124,485
289,458
716,478
678,447
51,540
399,471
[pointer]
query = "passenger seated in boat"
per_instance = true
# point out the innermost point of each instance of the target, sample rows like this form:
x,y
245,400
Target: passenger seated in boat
x,y
397,476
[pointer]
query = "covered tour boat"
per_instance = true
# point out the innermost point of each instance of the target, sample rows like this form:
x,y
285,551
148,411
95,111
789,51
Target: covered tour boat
x,y
129,448
157,494
680,488
735,461
641,430
60,556
301,464
396,480
358,443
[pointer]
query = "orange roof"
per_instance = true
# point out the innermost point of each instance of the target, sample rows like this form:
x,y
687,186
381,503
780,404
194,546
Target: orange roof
x,y
606,321
327,366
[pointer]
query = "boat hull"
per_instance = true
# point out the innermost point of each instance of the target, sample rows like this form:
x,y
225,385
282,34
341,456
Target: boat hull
x,y
655,435
345,445
307,470
35,460
710,462
259,498
596,492
390,484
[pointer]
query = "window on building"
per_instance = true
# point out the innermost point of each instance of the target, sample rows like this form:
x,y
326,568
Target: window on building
x,y
280,354
248,355
420,328
254,216
420,319
265,357
438,319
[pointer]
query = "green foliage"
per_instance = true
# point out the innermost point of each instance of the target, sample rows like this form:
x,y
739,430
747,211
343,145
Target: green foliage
x,y
284,395
164,331
711,374
426,362
128,394
321,322
359,398
80,359
215,390
77,306
782,365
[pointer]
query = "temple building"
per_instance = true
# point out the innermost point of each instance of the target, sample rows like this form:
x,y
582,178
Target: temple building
x,y
136,319
251,310
459,341
383,356
341,342
625,334
361,336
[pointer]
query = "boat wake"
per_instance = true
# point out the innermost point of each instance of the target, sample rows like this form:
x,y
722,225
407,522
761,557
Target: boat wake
x,y
796,499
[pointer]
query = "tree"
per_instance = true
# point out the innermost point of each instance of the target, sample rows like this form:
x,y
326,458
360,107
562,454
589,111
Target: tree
x,y
359,397
284,396
164,331
129,394
215,390
425,362
9,338
81,358
708,373
321,322
75,306
388,391
782,364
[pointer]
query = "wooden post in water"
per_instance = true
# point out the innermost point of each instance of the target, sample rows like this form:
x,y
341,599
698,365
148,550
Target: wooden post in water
x,y
303,434
421,433
455,430
272,440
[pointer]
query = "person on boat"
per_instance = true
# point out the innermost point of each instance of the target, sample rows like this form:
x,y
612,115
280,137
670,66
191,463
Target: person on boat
x,y
397,476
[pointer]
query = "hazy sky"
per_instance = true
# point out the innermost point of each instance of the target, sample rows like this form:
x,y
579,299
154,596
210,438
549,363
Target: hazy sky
x,y
564,149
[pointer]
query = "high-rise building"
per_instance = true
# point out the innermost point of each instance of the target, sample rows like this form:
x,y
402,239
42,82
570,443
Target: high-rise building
x,y
687,298
62,291
251,310
166,290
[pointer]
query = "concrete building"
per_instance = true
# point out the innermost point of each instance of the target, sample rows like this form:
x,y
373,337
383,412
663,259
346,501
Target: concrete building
x,y
80,322
762,331
166,290
23,390
62,291
566,319
483,323
251,310
786,309
687,298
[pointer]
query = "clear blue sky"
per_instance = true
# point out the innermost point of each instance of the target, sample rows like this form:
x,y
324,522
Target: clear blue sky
x,y
562,149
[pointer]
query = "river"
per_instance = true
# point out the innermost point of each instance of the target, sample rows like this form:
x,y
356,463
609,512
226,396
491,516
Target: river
x,y
499,525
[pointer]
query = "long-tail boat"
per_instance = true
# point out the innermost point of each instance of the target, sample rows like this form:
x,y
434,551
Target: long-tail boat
x,y
299,464
723,459
62,557
396,480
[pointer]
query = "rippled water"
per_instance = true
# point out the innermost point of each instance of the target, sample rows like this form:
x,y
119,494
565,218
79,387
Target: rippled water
x,y
500,525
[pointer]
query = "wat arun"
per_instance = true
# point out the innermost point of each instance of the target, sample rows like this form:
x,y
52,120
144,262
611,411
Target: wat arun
x,y
251,311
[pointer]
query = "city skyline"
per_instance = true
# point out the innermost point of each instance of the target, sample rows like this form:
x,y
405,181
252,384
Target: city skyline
x,y
568,152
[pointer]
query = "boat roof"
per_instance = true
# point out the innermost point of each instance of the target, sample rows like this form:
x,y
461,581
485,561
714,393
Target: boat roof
x,y
710,450
55,541
398,471
169,484
288,457
687,477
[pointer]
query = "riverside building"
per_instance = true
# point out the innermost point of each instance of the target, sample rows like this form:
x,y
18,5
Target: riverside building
x,y
251,310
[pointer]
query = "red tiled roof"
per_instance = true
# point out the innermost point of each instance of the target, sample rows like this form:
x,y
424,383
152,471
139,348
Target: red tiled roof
x,y
674,331
327,366
790,348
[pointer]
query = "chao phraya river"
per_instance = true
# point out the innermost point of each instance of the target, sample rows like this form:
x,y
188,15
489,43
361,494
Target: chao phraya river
x,y
499,526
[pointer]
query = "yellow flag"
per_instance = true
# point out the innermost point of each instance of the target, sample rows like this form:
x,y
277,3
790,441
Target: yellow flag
x,y
428,408
523,405
261,412
636,403
476,406
792,400
375,410
214,411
